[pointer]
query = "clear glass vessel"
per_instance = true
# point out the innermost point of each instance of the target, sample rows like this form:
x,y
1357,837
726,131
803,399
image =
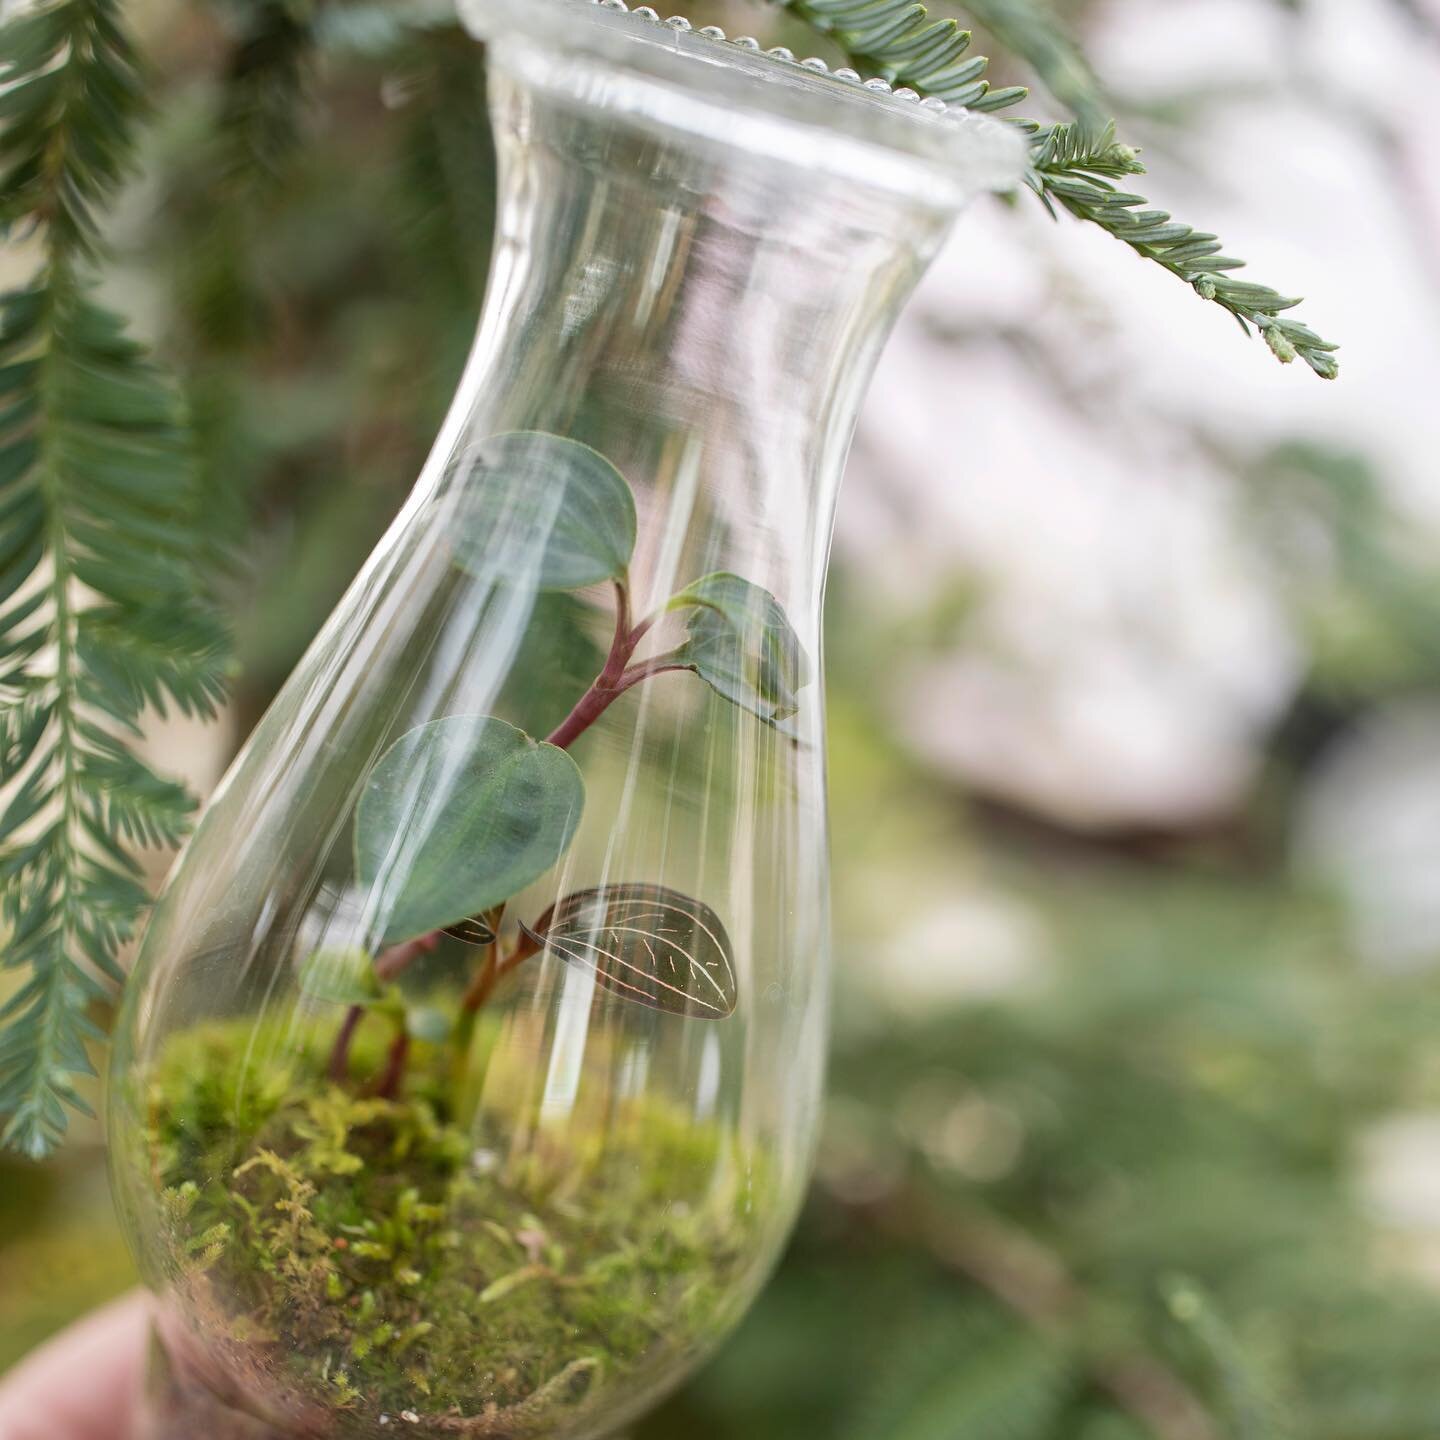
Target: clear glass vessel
x,y
468,1080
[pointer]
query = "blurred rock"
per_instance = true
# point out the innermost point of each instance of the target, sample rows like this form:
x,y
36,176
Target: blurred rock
x,y
1400,1172
1370,826
1126,655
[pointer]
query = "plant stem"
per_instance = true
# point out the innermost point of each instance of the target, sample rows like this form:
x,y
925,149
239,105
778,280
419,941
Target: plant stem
x,y
660,665
616,676
392,961
593,703
495,969
483,981
389,1082
388,964
339,1065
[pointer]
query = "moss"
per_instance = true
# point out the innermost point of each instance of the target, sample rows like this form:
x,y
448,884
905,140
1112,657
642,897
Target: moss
x,y
366,1256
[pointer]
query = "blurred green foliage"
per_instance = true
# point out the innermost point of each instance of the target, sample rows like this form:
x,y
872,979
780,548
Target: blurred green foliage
x,y
62,1251
1122,1199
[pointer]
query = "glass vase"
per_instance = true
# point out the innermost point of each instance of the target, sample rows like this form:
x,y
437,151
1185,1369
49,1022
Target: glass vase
x,y
468,1079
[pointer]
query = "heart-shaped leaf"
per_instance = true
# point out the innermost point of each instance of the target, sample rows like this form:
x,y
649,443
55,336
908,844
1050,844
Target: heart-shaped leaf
x,y
544,510
741,643
648,943
341,977
458,815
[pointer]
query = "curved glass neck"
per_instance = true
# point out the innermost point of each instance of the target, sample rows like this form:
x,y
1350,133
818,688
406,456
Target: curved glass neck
x,y
692,308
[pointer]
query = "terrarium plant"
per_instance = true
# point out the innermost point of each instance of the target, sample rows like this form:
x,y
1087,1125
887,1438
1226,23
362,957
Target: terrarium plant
x,y
508,804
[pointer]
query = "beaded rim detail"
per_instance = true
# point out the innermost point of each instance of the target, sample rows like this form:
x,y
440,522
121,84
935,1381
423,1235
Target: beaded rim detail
x,y
932,105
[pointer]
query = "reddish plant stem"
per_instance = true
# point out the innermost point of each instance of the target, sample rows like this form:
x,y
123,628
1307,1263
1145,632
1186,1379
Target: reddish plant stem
x,y
483,980
601,695
388,1085
592,704
391,962
615,678
388,964
339,1065
660,665
495,969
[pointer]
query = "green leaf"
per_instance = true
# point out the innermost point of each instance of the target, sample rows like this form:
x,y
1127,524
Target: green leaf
x,y
741,643
542,510
457,816
341,977
648,943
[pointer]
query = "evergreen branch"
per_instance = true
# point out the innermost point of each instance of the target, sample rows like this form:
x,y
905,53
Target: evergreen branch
x,y
101,611
1030,30
1014,1384
1073,166
222,205
72,92
266,86
896,39
446,196
1078,171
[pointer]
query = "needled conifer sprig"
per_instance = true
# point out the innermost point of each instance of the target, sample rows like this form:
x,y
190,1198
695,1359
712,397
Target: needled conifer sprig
x,y
1079,170
896,39
1074,166
101,611
266,85
1031,30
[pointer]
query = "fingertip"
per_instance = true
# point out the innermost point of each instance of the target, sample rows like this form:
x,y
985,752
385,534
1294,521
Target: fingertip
x,y
85,1383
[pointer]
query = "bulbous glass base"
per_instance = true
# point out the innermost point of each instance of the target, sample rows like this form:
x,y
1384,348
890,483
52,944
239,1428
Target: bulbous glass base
x,y
178,1405
370,1263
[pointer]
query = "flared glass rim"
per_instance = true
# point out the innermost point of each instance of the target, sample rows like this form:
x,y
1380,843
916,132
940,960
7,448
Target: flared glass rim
x,y
746,99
